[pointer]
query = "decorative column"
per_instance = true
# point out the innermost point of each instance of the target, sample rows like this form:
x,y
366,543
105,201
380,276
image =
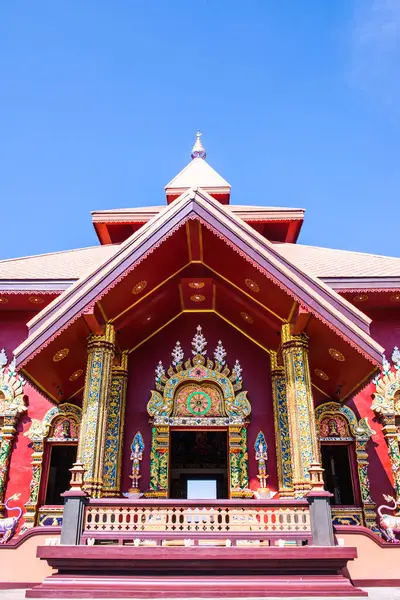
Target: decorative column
x,y
363,435
37,437
238,460
303,435
159,463
97,390
115,421
281,421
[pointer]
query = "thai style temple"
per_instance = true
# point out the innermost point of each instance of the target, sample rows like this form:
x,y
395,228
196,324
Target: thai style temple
x,y
199,406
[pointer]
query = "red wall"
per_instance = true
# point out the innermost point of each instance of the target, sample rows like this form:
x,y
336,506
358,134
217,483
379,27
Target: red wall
x,y
385,329
256,380
13,331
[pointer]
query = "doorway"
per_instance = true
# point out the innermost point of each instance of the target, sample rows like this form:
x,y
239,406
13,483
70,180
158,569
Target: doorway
x,y
199,464
337,473
62,457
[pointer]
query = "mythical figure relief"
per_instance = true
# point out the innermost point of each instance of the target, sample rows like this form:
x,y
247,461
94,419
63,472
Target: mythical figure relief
x,y
12,406
9,525
386,404
198,392
389,524
137,448
334,427
64,430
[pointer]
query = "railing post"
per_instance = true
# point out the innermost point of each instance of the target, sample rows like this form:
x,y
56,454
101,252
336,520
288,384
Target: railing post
x,y
74,508
320,518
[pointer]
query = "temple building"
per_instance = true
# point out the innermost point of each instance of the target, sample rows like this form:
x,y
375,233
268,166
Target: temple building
x,y
200,406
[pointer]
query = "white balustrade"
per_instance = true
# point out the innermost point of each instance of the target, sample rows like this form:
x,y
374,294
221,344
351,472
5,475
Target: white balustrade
x,y
124,519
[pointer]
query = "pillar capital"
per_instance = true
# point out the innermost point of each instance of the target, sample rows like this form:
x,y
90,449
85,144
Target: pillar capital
x,y
289,339
106,340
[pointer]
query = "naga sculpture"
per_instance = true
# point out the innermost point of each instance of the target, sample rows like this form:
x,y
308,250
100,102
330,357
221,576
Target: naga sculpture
x,y
8,525
389,524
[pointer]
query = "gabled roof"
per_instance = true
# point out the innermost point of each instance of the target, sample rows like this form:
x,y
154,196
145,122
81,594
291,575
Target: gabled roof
x,y
198,173
311,293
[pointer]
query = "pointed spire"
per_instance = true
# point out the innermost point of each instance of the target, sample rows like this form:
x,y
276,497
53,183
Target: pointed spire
x,y
198,150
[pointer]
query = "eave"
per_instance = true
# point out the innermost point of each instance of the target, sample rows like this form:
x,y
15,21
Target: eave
x,y
278,224
35,285
363,283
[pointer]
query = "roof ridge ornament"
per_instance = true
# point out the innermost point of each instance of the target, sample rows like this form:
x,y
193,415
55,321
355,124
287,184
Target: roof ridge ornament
x,y
198,150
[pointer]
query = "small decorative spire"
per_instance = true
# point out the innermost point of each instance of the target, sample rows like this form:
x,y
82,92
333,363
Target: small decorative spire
x,y
396,357
220,353
3,358
177,354
199,342
237,371
160,372
198,150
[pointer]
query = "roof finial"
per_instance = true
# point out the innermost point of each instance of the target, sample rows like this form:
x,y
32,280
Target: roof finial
x,y
198,150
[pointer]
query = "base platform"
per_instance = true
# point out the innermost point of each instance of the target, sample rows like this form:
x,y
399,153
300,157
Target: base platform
x,y
201,572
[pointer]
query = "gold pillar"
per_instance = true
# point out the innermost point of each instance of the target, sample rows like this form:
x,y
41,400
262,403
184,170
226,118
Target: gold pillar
x,y
97,390
282,432
303,434
115,421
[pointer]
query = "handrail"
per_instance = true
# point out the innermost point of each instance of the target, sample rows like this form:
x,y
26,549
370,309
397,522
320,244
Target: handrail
x,y
158,502
263,516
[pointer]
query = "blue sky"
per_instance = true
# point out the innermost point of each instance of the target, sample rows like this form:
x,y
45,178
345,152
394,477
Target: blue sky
x,y
298,102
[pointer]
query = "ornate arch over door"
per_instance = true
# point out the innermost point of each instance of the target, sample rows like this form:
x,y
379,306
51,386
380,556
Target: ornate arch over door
x,y
199,393
337,423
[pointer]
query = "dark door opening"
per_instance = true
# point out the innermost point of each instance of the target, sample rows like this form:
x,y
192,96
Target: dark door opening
x,y
337,473
61,460
198,456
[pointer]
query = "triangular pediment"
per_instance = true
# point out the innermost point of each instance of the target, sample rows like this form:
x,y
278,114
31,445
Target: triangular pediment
x,y
156,259
198,174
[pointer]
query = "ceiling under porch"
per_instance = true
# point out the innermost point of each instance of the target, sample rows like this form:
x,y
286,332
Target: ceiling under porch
x,y
195,270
